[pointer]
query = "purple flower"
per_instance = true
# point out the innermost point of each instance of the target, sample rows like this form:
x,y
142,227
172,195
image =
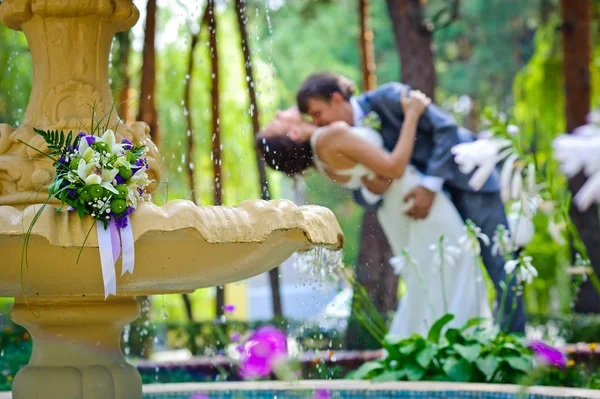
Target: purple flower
x,y
229,308
72,193
127,145
261,351
235,337
119,179
121,220
199,396
70,209
81,134
90,139
62,160
548,355
70,148
322,394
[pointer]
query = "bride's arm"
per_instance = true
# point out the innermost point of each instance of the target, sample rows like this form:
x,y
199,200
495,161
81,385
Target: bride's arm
x,y
384,164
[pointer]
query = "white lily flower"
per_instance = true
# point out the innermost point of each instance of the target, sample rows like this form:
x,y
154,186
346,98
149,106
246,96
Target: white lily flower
x,y
93,180
483,155
111,142
84,170
83,146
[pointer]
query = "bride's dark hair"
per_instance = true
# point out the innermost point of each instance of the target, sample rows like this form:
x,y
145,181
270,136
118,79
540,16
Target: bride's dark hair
x,y
285,155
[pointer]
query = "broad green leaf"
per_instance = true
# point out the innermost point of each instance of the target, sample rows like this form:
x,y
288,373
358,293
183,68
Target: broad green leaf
x,y
407,349
458,370
414,372
425,356
468,352
476,321
488,365
452,335
366,371
436,330
519,363
396,375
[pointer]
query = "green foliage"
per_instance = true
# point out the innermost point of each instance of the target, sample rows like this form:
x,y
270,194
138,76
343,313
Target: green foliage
x,y
56,141
473,353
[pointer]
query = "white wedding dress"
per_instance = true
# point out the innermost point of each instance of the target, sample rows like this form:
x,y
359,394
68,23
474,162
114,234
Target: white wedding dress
x,y
463,293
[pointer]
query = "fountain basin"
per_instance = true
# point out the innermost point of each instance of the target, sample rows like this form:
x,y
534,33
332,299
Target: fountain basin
x,y
179,247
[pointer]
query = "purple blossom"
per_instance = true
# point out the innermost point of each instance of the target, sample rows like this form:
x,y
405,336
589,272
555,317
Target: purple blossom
x,y
127,145
119,179
548,355
322,394
121,220
62,160
70,208
229,308
261,351
72,192
90,139
235,337
199,395
70,148
81,134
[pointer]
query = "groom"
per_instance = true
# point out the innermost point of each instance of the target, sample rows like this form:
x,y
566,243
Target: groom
x,y
328,98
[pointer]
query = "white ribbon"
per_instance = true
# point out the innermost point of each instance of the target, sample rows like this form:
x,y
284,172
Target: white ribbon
x,y
107,260
128,260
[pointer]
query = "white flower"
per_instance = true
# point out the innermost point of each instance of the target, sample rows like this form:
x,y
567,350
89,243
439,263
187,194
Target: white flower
x,y
470,241
522,268
502,241
482,156
111,142
521,227
555,230
579,151
446,255
512,129
398,263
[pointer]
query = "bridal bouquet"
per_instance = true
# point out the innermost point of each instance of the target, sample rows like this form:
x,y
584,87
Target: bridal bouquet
x,y
102,178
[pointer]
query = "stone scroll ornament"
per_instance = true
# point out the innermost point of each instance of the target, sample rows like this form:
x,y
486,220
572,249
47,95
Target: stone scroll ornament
x,y
99,177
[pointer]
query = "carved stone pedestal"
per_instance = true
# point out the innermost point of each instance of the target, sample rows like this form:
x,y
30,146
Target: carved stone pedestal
x,y
76,349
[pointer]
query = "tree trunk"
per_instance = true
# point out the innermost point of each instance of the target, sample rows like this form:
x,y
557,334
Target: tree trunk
x,y
125,94
414,43
147,112
216,131
240,8
373,270
188,119
576,58
366,46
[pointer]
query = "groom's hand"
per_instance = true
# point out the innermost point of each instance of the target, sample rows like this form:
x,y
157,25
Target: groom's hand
x,y
423,200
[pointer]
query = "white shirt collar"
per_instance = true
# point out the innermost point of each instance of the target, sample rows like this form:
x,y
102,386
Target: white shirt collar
x,y
357,112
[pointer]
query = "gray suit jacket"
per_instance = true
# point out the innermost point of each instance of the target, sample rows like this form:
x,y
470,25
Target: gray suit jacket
x,y
437,133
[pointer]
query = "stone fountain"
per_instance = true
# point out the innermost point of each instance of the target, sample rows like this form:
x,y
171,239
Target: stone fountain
x,y
179,247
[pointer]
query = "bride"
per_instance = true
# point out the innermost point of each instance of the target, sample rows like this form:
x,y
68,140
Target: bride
x,y
440,278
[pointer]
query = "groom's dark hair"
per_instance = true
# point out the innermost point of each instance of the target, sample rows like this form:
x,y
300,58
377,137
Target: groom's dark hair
x,y
322,86
285,155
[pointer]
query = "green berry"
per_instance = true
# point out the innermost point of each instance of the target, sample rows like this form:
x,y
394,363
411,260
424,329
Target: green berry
x,y
131,157
123,191
125,172
118,206
96,191
101,146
